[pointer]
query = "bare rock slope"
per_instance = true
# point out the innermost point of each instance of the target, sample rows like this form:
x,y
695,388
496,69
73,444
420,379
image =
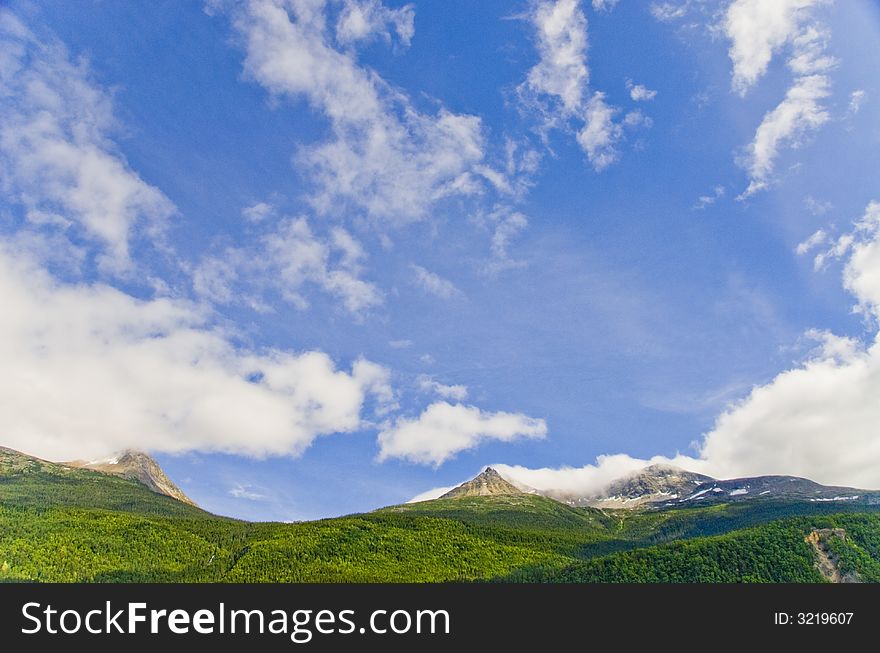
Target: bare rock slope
x,y
137,466
487,483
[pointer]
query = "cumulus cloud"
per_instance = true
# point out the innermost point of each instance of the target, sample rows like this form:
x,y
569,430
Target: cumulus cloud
x,y
285,259
385,157
561,41
57,161
758,30
444,429
817,420
88,370
589,479
455,392
558,85
433,284
639,92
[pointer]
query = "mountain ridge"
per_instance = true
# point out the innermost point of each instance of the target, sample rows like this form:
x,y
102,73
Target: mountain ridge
x,y
68,524
137,466
130,464
663,486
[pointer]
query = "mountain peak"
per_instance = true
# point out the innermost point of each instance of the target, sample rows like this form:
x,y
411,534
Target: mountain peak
x,y
137,466
487,483
654,482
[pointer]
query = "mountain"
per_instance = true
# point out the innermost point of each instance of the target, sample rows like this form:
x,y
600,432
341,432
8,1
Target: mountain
x,y
32,483
776,487
136,466
666,486
652,484
487,483
131,465
60,523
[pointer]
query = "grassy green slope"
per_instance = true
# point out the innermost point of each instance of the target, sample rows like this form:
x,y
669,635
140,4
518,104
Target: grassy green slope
x,y
775,552
27,482
61,524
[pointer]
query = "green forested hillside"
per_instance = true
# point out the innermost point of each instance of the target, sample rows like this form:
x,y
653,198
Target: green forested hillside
x,y
61,524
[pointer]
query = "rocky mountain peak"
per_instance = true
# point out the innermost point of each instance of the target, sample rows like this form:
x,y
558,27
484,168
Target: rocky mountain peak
x,y
487,483
137,466
655,480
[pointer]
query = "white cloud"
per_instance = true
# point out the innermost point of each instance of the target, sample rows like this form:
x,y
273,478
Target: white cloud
x,y
400,344
637,118
506,224
286,259
811,243
817,207
248,492
558,85
455,392
604,5
362,20
666,12
589,479
600,133
561,40
800,111
856,100
433,493
757,30
862,272
385,157
445,429
56,156
817,420
88,370
838,248
433,284
258,212
639,92
708,200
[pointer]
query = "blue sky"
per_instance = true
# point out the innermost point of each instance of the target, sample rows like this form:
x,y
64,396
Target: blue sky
x,y
323,255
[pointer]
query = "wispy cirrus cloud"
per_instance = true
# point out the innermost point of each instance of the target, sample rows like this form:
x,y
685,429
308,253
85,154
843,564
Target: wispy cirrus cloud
x,y
385,158
287,258
433,283
758,31
57,160
557,88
